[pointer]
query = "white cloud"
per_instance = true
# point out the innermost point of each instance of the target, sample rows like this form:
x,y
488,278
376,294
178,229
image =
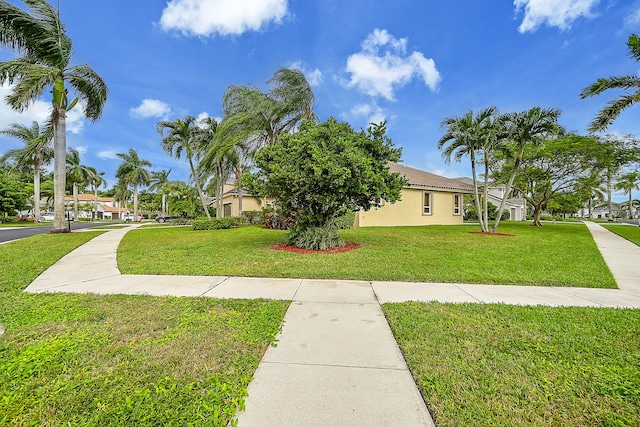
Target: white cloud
x,y
82,149
553,13
314,77
75,120
204,115
383,66
372,112
108,154
150,108
224,17
39,111
632,20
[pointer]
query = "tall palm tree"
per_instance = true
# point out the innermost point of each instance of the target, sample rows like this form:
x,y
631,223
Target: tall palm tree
x,y
44,56
159,182
523,130
471,135
627,183
250,111
121,195
78,174
182,136
36,153
96,181
133,172
612,110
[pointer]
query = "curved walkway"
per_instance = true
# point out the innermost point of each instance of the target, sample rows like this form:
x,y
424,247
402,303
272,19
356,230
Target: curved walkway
x,y
336,362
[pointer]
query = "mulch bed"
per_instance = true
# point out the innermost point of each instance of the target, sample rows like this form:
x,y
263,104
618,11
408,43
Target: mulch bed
x,y
488,233
349,246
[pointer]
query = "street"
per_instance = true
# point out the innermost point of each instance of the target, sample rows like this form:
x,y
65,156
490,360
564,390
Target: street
x,y
7,235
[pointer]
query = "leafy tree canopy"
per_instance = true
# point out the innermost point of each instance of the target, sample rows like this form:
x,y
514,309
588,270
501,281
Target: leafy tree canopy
x,y
325,170
13,195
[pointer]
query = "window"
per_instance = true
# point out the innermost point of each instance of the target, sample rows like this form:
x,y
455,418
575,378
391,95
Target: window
x,y
457,204
427,203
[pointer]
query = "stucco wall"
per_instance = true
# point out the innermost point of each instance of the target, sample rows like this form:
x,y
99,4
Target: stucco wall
x,y
408,211
248,204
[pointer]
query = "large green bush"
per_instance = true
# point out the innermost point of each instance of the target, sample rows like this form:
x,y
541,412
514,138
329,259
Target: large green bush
x,y
324,171
217,223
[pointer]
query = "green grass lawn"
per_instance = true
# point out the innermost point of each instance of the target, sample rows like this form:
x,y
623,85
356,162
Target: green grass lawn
x,y
498,365
553,255
630,233
70,359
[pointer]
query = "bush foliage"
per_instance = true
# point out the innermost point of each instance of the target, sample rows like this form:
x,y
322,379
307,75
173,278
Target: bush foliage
x,y
318,238
324,171
217,223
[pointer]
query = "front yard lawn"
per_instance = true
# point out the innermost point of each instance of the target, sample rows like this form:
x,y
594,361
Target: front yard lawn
x,y
553,255
71,359
630,233
499,365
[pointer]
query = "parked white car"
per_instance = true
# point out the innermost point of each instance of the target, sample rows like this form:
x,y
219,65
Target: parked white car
x,y
49,216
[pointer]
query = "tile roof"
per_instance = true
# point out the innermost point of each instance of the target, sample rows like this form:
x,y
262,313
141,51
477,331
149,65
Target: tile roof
x,y
422,179
89,198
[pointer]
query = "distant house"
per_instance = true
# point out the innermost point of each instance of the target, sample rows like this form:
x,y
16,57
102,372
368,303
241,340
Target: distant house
x,y
516,207
108,208
428,199
231,202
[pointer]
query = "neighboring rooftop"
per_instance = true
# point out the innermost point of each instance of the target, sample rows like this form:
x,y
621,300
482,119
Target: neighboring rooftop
x,y
420,178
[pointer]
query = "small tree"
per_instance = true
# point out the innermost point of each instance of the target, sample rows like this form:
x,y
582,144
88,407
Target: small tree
x,y
323,171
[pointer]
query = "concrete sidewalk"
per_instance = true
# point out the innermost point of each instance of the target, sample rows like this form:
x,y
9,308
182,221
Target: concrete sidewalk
x,y
336,362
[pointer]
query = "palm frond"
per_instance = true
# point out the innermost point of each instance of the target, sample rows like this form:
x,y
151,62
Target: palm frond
x,y
617,82
90,88
612,110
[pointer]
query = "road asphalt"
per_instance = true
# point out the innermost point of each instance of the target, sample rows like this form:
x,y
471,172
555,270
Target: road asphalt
x,y
336,362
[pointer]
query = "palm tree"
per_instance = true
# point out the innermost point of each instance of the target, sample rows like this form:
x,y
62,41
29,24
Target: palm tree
x,y
78,174
96,180
182,136
523,130
36,153
590,188
121,195
44,51
159,182
471,136
133,172
612,110
627,183
250,112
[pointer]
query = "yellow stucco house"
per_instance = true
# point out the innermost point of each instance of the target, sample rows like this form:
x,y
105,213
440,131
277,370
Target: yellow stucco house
x,y
427,199
231,202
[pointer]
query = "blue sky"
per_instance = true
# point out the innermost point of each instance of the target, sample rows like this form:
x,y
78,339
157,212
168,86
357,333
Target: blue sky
x,y
412,63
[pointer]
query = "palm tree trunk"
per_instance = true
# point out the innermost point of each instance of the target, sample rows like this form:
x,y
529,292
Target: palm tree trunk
x,y
135,203
508,190
200,192
59,172
475,189
95,205
609,191
239,188
164,205
75,201
219,189
485,193
36,192
630,203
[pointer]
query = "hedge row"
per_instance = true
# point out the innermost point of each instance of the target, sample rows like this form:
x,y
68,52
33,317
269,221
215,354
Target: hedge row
x,y
217,223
